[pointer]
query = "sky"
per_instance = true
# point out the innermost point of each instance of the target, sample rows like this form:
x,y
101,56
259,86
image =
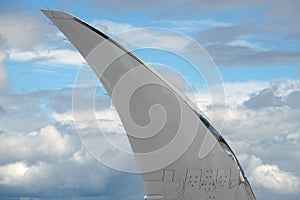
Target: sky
x,y
255,46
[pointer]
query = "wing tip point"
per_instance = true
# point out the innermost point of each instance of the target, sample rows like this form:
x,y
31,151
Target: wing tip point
x,y
52,14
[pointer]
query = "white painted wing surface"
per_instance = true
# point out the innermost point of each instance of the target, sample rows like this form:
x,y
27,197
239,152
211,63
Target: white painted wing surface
x,y
163,127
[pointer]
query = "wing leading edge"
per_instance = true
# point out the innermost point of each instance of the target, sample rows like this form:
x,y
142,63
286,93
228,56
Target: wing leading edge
x,y
169,159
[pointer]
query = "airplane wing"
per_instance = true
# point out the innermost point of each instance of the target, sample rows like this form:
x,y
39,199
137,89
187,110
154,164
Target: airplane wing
x,y
164,129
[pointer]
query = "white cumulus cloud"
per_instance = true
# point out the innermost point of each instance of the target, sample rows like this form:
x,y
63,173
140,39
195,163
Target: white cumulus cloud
x,y
45,144
272,177
11,173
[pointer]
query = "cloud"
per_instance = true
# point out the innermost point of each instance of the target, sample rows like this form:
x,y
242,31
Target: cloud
x,y
49,144
111,27
18,108
272,177
263,128
105,126
283,14
48,57
294,138
66,178
254,40
51,162
35,45
43,155
275,17
281,93
157,38
247,44
35,31
11,173
148,37
191,26
261,117
47,160
236,94
292,100
267,34
264,136
3,72
249,56
42,145
220,35
43,52
10,6
183,9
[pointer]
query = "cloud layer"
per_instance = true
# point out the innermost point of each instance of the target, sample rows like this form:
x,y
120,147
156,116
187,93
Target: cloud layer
x,y
41,154
271,177
50,156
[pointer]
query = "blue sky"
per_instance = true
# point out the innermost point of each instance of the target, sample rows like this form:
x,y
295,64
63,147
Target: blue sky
x,y
255,45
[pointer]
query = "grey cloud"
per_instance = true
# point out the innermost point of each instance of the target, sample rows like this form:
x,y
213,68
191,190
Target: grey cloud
x,y
35,30
223,34
2,42
63,179
2,110
294,37
32,110
263,99
218,42
269,16
239,56
293,100
275,57
284,13
178,8
275,97
25,110
276,22
6,6
3,72
27,120
268,20
228,55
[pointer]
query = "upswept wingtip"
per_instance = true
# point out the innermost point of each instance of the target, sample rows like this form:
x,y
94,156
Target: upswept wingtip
x,y
56,14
